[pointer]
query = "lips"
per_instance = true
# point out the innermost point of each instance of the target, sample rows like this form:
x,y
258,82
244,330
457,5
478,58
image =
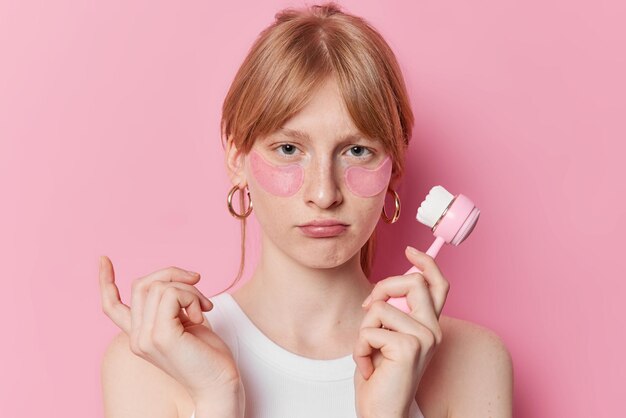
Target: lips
x,y
324,222
323,228
323,231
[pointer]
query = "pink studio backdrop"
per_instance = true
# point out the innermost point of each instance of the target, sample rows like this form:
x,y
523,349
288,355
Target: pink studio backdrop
x,y
109,144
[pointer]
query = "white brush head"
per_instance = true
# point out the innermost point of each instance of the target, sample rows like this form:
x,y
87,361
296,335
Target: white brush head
x,y
434,206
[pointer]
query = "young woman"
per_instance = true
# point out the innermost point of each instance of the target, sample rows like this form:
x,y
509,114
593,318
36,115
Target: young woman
x,y
316,125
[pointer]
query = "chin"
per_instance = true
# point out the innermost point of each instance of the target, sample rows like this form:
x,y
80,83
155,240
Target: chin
x,y
324,260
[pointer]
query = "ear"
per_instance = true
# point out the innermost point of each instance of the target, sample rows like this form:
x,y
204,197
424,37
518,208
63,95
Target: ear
x,y
394,181
235,164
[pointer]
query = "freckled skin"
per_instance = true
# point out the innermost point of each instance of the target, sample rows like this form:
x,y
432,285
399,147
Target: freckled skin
x,y
280,181
365,182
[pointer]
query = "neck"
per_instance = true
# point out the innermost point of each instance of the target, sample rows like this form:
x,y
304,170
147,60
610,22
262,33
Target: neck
x,y
311,303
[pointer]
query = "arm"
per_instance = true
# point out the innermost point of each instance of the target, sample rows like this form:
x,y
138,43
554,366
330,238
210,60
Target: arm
x,y
231,404
133,387
180,361
484,370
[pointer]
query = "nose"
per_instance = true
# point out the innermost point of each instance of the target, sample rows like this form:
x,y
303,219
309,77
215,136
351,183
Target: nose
x,y
321,184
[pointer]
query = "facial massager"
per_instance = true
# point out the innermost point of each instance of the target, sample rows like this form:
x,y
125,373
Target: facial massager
x,y
451,219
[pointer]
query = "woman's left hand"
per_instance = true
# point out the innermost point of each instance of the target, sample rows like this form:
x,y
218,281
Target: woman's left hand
x,y
392,360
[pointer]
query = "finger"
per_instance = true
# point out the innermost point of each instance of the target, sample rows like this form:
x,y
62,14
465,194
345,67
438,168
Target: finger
x,y
392,318
362,358
110,296
184,319
143,332
153,300
418,296
437,283
205,302
394,346
140,289
174,274
167,326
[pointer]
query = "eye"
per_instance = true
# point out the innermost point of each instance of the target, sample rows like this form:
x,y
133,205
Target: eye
x,y
360,151
287,149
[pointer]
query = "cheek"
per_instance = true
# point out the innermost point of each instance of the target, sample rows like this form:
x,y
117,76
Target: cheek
x,y
364,182
279,181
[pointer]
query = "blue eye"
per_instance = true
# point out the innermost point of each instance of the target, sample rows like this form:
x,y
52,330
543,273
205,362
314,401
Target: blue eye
x,y
288,149
362,150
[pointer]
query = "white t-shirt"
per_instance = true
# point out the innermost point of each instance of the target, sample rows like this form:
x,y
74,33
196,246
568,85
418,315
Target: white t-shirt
x,y
279,383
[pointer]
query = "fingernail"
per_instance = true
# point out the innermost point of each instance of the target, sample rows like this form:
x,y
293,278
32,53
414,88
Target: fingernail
x,y
193,273
207,302
366,301
412,250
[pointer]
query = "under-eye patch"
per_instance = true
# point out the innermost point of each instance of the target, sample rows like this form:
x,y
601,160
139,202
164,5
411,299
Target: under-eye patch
x,y
280,181
365,182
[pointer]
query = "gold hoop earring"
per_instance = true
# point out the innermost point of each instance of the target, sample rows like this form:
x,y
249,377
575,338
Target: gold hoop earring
x,y
396,214
229,200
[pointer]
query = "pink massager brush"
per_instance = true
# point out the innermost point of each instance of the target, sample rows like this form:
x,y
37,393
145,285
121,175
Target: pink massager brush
x,y
451,218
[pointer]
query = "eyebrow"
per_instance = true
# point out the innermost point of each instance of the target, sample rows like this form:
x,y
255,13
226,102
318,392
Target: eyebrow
x,y
294,133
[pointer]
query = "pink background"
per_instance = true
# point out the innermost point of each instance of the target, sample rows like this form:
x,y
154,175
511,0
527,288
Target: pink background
x,y
109,144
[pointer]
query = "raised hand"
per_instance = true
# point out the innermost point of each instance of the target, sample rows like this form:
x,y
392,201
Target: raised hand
x,y
392,359
166,327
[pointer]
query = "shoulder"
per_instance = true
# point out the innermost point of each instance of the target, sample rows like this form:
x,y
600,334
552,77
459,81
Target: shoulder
x,y
132,386
472,371
463,335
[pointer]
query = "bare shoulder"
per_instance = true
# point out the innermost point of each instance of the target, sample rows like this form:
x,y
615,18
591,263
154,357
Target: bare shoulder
x,y
134,387
471,373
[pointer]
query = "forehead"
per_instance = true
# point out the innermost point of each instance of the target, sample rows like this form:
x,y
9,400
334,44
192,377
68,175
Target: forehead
x,y
324,115
324,118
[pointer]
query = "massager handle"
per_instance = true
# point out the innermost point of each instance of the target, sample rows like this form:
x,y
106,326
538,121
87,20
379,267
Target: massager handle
x,y
400,302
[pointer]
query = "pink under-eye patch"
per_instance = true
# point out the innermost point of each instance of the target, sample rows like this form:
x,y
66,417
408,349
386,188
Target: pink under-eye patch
x,y
365,182
280,181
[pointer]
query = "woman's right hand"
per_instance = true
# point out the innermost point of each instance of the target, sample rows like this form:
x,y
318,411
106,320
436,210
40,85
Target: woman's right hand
x,y
181,344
